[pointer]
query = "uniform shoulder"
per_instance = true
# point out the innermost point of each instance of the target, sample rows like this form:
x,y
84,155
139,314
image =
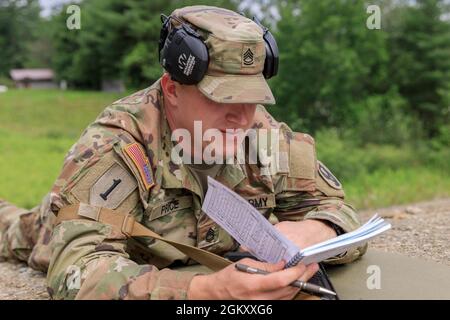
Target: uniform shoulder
x,y
263,119
118,146
149,95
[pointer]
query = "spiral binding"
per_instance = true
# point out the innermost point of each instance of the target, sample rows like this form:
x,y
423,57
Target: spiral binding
x,y
294,260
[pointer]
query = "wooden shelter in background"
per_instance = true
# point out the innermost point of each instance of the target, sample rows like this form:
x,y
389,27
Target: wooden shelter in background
x,y
34,78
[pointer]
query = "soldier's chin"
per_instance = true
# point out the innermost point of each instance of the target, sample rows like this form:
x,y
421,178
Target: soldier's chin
x,y
228,155
220,156
228,152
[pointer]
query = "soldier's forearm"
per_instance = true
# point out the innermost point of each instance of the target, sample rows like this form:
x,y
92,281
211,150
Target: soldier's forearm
x,y
335,211
114,278
119,278
343,216
89,261
319,207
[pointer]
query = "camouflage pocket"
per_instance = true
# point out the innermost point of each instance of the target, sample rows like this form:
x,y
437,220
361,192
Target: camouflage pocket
x,y
172,218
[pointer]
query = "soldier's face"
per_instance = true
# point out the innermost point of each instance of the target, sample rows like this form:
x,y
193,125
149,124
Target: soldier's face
x,y
189,105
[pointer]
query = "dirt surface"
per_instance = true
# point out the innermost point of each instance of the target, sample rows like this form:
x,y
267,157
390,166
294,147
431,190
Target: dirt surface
x,y
418,230
421,230
18,282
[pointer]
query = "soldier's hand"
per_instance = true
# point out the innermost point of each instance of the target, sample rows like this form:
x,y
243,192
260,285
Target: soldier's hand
x,y
306,233
230,283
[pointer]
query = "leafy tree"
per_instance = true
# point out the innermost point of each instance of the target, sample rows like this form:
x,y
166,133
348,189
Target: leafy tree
x,y
329,60
18,21
420,66
141,65
118,40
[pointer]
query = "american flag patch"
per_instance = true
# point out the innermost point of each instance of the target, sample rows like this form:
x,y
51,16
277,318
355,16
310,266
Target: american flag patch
x,y
140,160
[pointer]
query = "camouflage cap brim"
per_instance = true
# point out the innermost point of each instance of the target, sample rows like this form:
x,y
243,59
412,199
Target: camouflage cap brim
x,y
237,89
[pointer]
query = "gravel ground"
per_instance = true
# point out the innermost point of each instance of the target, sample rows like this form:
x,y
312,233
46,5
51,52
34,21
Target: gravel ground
x,y
18,282
421,230
418,230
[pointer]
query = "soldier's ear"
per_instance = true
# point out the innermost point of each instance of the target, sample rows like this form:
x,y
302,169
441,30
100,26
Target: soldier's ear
x,y
169,88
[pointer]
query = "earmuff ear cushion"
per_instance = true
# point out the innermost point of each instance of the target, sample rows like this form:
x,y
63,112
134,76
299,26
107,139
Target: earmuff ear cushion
x,y
183,53
272,53
272,56
185,57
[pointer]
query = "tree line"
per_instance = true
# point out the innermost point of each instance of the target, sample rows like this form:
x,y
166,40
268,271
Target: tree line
x,y
387,85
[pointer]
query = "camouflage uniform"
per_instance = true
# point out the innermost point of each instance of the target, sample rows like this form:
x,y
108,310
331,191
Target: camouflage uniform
x,y
130,141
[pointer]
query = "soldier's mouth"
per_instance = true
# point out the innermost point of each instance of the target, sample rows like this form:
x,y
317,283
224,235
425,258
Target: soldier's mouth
x,y
233,132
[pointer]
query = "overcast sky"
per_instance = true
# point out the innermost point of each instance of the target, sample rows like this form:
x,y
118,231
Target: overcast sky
x,y
48,4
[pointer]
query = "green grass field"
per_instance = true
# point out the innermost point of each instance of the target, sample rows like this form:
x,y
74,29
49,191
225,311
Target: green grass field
x,y
37,127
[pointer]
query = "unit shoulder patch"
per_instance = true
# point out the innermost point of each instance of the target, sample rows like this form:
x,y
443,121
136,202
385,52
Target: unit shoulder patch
x,y
108,183
329,178
112,188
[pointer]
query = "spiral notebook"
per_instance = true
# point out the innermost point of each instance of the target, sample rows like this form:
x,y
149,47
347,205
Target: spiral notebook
x,y
252,230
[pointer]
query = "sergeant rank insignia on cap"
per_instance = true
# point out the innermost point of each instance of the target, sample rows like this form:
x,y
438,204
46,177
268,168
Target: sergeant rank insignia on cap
x,y
248,56
140,160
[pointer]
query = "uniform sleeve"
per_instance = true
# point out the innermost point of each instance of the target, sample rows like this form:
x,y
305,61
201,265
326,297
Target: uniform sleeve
x,y
90,260
308,190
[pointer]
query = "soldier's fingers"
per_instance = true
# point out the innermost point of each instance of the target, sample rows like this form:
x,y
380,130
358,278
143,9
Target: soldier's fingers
x,y
290,293
269,267
309,272
281,279
243,249
286,293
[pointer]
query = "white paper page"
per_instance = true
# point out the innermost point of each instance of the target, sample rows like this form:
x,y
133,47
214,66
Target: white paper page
x,y
245,224
324,253
371,226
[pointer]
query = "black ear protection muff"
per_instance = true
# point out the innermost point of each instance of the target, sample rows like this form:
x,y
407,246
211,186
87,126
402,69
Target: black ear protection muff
x,y
185,56
272,55
182,52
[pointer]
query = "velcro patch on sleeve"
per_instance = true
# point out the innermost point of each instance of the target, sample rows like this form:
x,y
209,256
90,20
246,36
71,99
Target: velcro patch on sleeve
x,y
302,160
281,158
137,155
112,188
